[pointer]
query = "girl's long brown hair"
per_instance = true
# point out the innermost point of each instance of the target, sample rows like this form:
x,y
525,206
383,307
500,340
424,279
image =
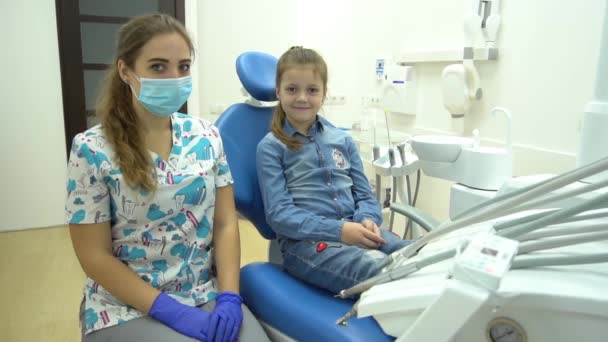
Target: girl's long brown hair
x,y
115,110
294,57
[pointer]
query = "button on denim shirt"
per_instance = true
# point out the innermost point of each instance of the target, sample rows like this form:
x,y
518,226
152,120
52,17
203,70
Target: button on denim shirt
x,y
309,193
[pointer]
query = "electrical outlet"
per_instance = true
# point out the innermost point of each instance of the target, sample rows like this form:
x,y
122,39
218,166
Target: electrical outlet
x,y
374,101
216,108
335,100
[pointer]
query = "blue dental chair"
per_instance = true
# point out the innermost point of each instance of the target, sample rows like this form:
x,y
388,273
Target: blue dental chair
x,y
288,308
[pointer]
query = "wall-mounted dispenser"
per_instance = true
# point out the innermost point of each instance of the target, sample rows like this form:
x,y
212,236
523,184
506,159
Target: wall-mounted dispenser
x,y
459,86
399,89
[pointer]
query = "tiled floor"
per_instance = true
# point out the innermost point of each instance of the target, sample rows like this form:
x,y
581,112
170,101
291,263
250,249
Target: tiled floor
x,y
41,282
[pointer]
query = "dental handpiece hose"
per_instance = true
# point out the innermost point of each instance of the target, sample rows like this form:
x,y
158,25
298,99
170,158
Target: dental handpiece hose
x,y
391,156
376,155
561,241
497,211
597,202
524,262
401,148
398,272
536,261
563,230
352,313
548,184
413,266
556,197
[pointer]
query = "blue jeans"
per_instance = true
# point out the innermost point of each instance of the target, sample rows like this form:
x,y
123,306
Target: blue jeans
x,y
335,266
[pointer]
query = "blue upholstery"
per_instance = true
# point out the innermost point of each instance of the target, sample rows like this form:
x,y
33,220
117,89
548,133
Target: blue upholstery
x,y
301,311
257,70
242,126
296,309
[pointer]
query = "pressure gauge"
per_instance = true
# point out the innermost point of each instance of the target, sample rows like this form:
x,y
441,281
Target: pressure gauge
x,y
504,329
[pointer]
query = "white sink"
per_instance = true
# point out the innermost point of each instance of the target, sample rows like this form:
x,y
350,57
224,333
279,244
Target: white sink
x,y
439,148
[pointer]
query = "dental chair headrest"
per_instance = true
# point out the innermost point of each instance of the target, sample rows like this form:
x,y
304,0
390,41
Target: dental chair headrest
x,y
257,71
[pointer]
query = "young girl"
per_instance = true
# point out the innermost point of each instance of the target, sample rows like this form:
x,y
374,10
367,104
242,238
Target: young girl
x,y
150,204
316,195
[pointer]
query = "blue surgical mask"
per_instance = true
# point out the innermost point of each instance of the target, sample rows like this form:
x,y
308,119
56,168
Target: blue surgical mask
x,y
164,96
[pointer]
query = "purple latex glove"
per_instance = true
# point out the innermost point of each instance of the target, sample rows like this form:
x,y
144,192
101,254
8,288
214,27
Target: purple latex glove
x,y
227,318
185,319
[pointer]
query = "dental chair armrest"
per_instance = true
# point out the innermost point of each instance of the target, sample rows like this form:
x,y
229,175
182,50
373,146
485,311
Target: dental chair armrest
x,y
424,220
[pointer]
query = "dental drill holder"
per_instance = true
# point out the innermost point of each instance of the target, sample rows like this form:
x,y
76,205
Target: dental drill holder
x,y
462,160
396,163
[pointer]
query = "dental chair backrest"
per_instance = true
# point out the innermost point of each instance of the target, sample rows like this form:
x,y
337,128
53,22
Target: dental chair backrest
x,y
242,126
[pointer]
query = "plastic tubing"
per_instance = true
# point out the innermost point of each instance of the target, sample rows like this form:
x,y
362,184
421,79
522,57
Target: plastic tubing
x,y
506,204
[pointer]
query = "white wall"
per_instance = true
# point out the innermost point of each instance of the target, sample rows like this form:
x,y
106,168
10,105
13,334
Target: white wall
x,y
226,29
192,27
32,178
545,72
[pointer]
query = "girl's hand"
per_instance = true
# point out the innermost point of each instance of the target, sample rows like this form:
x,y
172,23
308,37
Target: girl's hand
x,y
356,234
371,225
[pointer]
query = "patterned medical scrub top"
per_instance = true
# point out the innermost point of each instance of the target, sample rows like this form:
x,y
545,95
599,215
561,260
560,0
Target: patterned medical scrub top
x,y
165,239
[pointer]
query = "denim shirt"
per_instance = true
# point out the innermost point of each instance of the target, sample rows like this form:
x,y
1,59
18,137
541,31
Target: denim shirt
x,y
309,193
